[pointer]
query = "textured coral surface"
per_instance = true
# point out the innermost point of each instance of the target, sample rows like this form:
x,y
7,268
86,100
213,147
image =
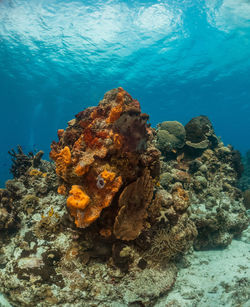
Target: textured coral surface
x,y
105,224
44,262
209,171
99,155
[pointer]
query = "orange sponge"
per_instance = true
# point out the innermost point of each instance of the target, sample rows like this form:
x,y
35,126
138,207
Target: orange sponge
x,y
117,110
77,198
108,176
63,159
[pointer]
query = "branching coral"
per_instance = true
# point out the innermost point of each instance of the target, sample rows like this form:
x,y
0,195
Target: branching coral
x,y
22,162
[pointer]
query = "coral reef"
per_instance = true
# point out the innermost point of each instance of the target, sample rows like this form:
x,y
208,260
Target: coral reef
x,y
175,233
170,136
222,215
86,223
169,242
30,173
99,157
109,168
200,133
244,182
133,203
22,162
246,195
105,223
7,211
209,171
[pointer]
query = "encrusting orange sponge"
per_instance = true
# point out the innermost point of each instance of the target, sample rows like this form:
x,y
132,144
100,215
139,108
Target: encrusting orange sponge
x,y
86,210
117,110
62,159
108,176
61,189
77,202
77,198
99,154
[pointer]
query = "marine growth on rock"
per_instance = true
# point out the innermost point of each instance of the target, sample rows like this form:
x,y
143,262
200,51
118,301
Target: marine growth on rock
x,y
105,161
119,206
209,171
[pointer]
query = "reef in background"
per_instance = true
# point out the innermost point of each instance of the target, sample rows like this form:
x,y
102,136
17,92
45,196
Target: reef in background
x,y
106,223
209,171
244,182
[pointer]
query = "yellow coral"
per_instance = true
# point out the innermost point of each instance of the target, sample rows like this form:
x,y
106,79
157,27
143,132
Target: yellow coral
x,y
110,192
102,198
77,202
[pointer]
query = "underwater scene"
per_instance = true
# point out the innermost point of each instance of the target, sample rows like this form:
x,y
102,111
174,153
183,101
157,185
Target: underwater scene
x,y
125,153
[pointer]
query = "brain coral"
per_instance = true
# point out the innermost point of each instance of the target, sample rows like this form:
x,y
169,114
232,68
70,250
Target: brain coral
x,y
170,136
102,158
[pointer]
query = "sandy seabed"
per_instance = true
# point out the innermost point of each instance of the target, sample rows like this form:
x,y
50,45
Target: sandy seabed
x,y
210,278
214,278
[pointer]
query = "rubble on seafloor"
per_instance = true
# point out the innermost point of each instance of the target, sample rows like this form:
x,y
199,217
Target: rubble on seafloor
x,y
105,224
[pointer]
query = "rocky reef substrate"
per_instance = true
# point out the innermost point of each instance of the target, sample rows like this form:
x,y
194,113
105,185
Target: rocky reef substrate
x,y
244,182
108,221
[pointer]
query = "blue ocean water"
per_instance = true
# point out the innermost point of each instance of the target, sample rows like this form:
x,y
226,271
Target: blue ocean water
x,y
180,59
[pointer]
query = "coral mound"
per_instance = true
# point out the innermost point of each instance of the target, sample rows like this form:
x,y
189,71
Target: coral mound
x,y
244,182
209,171
170,135
100,155
105,224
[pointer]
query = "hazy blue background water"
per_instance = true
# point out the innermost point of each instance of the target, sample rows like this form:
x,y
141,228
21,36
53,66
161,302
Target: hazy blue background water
x,y
180,59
